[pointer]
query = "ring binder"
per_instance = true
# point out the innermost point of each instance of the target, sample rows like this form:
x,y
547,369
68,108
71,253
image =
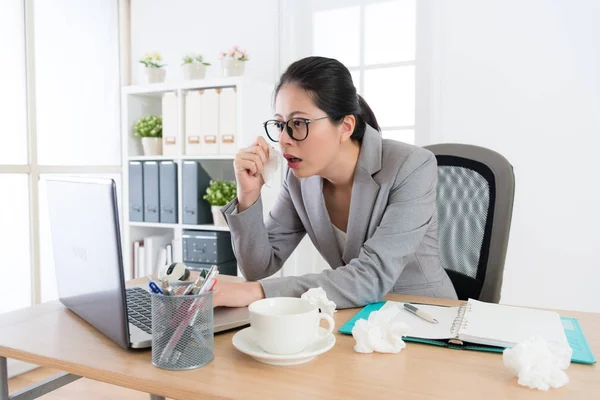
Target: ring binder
x,y
459,323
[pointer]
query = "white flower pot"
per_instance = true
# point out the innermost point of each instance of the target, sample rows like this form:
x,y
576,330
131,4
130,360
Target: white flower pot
x,y
152,146
232,67
218,218
193,71
155,75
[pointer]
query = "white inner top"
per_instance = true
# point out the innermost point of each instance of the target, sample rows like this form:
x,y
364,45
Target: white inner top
x,y
340,236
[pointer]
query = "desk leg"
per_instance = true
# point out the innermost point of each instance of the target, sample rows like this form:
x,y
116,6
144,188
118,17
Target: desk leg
x,y
3,379
152,397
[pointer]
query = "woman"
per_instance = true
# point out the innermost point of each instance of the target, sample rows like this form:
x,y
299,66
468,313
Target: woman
x,y
367,204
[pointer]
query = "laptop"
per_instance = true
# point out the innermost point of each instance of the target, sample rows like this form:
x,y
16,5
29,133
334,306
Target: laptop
x,y
86,240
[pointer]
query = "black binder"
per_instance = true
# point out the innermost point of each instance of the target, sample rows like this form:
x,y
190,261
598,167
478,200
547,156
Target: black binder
x,y
195,181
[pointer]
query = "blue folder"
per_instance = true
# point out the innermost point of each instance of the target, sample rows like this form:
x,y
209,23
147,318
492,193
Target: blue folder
x,y
582,353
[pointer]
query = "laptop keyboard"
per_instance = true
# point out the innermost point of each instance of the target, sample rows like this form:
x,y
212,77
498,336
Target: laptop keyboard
x,y
139,308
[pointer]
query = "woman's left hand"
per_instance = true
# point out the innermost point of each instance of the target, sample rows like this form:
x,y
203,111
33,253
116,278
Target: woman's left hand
x,y
236,294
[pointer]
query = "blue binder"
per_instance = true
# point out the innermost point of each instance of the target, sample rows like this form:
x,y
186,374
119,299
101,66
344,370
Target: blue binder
x,y
168,192
151,190
582,353
136,191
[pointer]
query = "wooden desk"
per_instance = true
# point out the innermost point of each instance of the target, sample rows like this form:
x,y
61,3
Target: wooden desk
x,y
49,335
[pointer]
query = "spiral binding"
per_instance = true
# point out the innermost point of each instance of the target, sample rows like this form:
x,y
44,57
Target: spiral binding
x,y
460,322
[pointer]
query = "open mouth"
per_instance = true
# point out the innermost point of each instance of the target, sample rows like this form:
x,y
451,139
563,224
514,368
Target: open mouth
x,y
292,159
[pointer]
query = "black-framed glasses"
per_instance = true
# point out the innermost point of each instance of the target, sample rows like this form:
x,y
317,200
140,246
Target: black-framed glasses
x,y
296,128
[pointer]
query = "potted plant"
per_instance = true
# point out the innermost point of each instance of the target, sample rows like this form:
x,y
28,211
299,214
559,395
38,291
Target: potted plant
x,y
233,61
149,128
218,194
155,73
194,67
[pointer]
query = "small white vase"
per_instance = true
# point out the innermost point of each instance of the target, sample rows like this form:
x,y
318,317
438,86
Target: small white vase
x,y
232,67
155,75
193,71
152,146
218,218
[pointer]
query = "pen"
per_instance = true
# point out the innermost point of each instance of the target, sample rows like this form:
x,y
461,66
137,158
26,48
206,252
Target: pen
x,y
210,289
154,288
194,286
214,271
192,314
420,313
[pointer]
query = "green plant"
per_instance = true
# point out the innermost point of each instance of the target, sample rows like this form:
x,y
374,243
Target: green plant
x,y
192,58
152,60
149,126
220,192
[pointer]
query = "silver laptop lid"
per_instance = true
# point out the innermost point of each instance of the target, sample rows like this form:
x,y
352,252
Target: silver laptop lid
x,y
84,226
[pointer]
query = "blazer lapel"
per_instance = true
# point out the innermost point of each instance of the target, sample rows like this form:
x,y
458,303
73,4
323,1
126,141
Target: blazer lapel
x,y
364,193
312,194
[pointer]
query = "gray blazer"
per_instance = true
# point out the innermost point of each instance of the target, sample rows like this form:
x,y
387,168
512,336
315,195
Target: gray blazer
x,y
391,242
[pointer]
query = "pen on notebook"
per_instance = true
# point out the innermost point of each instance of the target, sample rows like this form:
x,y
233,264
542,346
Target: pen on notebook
x,y
420,313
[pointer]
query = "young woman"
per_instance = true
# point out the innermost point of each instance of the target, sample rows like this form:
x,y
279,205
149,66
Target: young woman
x,y
367,204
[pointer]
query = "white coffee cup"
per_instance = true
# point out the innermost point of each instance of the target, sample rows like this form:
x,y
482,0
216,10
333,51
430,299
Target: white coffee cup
x,y
287,325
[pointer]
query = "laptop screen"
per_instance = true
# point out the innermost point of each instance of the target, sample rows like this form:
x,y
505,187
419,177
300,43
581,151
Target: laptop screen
x,y
86,243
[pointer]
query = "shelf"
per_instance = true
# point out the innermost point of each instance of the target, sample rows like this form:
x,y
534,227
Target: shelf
x,y
151,158
159,88
207,227
163,158
173,226
152,225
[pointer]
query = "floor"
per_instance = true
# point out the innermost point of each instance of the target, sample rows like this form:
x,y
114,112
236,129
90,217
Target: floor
x,y
80,389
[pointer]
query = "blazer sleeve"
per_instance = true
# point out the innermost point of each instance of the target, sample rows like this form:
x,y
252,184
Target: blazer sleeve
x,y
262,248
381,260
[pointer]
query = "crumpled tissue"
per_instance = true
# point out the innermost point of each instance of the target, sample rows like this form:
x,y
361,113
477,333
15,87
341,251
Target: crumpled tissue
x,y
539,364
380,333
271,166
318,297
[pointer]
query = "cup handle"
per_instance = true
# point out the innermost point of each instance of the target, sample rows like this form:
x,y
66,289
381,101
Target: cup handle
x,y
330,323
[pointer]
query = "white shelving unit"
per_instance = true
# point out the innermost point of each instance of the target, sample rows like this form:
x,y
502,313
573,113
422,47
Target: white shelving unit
x,y
254,100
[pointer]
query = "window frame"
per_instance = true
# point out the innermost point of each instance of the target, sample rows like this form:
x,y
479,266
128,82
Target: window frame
x,y
33,169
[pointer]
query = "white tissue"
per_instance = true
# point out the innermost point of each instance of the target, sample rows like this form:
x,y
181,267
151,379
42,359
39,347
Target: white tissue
x,y
272,166
318,297
380,333
538,363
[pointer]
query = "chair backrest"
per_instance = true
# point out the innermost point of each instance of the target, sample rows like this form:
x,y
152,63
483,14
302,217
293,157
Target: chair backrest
x,y
475,194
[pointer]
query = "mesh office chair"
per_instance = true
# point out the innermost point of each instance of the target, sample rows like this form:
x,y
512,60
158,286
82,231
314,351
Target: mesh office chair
x,y
475,194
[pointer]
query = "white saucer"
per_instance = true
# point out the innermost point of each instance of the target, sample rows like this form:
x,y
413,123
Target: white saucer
x,y
244,342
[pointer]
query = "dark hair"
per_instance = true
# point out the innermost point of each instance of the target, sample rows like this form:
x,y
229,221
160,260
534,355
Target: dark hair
x,y
330,86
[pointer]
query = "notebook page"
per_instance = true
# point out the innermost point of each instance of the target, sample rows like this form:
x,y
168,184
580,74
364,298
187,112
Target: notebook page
x,y
419,328
506,326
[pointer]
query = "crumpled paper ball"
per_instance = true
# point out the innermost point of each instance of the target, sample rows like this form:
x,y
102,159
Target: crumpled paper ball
x,y
538,363
380,333
318,297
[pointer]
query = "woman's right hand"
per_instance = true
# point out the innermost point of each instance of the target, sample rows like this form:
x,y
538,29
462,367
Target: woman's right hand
x,y
248,164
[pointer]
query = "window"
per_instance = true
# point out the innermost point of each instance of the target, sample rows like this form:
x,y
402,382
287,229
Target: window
x,y
376,40
60,112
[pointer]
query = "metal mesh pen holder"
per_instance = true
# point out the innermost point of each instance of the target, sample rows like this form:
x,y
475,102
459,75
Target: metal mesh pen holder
x,y
182,330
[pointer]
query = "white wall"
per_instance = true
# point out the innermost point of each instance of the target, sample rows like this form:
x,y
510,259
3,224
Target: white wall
x,y
177,27
523,78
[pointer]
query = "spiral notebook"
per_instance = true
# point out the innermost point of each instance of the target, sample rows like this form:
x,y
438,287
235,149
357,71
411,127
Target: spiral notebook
x,y
484,326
